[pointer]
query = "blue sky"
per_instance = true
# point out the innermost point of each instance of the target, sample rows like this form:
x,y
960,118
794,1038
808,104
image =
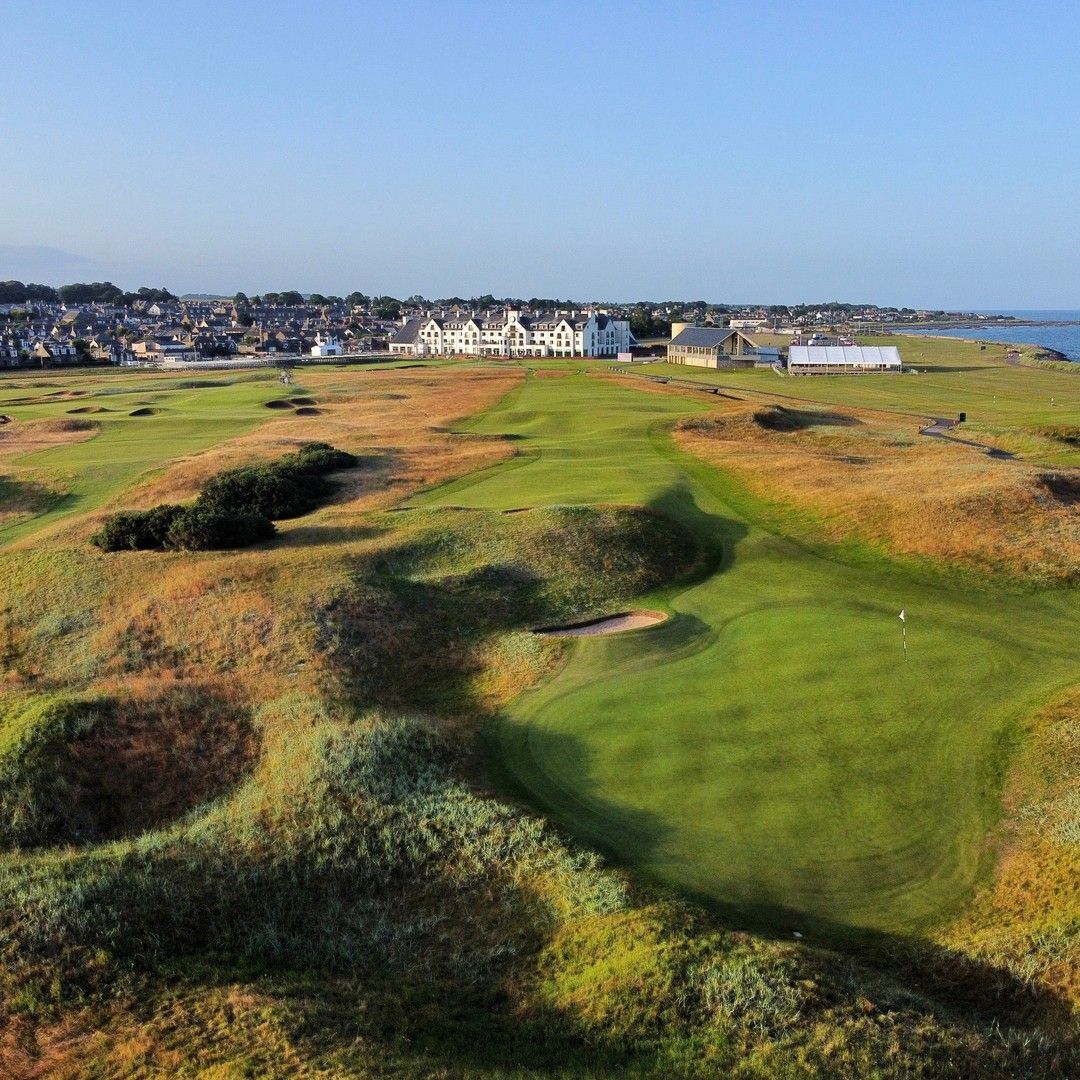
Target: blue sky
x,y
922,154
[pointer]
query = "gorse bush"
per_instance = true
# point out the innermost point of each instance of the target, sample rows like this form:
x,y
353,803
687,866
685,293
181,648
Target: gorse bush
x,y
205,528
236,508
138,530
321,457
276,491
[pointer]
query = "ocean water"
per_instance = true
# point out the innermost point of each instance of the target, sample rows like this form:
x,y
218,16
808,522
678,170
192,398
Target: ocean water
x,y
1064,338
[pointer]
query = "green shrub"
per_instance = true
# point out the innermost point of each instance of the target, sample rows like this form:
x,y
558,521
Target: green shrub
x,y
320,457
274,491
207,528
137,530
236,507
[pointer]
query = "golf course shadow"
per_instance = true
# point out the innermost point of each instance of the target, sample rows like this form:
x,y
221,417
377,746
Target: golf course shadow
x,y
319,535
949,982
955,981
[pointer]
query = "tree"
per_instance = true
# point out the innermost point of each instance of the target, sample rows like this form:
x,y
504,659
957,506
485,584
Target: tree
x,y
386,307
356,299
94,292
291,299
241,300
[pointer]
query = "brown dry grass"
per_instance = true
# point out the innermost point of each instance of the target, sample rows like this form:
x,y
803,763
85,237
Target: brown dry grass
x,y
25,438
166,747
404,417
1026,919
246,616
868,475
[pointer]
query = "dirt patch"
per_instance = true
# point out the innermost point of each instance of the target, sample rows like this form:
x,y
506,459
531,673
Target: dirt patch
x,y
279,403
308,410
145,411
609,624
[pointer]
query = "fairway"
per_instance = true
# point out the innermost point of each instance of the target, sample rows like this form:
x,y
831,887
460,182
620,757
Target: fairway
x,y
176,419
768,748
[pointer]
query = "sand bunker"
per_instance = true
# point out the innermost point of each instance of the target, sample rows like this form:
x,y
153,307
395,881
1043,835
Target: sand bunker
x,y
302,400
280,403
307,410
611,624
88,409
144,412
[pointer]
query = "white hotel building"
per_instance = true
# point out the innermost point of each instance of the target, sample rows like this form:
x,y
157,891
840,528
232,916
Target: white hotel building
x,y
515,334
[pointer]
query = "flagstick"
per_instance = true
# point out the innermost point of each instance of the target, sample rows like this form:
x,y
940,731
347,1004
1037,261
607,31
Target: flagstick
x,y
905,641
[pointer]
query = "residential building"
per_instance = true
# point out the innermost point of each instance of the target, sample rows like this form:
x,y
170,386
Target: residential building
x,y
156,350
326,345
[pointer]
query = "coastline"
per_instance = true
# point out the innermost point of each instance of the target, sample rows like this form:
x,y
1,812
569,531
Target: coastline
x,y
1042,353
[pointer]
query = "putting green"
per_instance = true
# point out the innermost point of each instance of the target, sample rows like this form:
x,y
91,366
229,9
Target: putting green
x,y
769,747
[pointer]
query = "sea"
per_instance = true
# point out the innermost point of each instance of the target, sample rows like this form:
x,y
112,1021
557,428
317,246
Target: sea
x,y
1058,330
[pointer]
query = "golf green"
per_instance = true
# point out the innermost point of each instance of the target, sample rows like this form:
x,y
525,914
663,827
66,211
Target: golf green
x,y
770,747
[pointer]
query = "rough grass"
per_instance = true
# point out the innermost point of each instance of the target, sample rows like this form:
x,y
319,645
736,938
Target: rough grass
x,y
1027,920
864,475
80,770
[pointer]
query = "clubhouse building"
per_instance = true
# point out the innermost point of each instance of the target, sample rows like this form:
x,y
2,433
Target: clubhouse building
x,y
710,346
571,333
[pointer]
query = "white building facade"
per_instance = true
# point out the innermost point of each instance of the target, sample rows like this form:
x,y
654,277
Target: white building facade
x,y
516,334
326,345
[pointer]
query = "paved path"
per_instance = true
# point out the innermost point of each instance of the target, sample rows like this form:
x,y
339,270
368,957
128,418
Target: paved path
x,y
939,428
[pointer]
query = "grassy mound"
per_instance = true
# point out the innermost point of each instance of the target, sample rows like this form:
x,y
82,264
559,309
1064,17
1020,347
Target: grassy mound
x,y
427,620
82,769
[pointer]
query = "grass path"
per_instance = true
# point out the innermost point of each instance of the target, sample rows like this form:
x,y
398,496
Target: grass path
x,y
768,747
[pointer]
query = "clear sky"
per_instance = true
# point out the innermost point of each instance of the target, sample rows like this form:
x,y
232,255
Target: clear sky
x,y
915,153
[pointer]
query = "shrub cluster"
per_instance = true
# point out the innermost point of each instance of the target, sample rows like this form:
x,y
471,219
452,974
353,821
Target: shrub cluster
x,y
237,508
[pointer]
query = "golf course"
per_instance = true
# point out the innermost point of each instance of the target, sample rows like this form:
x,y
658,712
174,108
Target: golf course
x,y
770,747
340,797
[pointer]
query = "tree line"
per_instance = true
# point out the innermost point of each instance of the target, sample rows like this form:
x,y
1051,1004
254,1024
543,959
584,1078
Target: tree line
x,y
91,292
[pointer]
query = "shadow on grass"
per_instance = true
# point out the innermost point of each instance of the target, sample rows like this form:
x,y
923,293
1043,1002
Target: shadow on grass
x,y
29,498
320,535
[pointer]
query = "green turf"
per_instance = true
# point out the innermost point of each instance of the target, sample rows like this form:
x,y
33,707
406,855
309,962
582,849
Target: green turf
x,y
126,447
769,748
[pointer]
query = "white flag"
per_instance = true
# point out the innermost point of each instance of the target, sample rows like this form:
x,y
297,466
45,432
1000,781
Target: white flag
x,y
902,619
